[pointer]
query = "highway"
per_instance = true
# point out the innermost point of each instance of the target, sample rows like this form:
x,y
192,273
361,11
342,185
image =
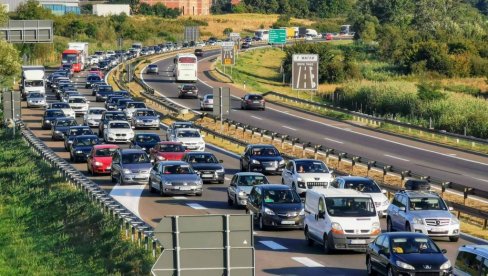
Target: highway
x,y
423,158
277,252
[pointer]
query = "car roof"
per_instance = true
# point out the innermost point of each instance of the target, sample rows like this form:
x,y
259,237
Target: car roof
x,y
85,127
97,107
352,178
87,136
274,186
106,146
147,134
199,152
53,109
332,192
405,234
249,174
476,249
118,121
170,143
127,151
306,159
143,109
416,193
173,163
187,129
262,146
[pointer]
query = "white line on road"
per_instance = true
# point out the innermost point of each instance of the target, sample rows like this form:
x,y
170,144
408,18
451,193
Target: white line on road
x,y
335,141
256,117
179,197
307,262
394,157
289,128
480,179
129,196
196,206
273,245
227,178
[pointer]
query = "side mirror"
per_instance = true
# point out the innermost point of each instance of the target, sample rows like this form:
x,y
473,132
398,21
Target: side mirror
x,y
403,209
233,184
444,251
384,251
384,191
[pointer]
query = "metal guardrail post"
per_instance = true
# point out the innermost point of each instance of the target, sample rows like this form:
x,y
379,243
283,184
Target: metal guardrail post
x,y
328,152
404,174
304,147
283,138
386,169
354,160
316,149
444,185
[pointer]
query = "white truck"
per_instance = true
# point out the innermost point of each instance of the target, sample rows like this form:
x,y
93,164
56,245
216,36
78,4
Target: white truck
x,y
82,47
32,80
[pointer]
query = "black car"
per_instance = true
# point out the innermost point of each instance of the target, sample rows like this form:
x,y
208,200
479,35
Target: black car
x,y
111,102
92,79
188,90
110,116
209,167
122,103
406,253
417,184
49,116
145,141
275,205
101,87
122,93
60,127
245,45
262,158
253,101
198,52
73,132
104,65
81,147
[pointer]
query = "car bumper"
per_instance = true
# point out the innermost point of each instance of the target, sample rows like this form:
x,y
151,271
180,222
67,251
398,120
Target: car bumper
x,y
81,156
100,98
207,106
195,147
214,176
119,139
178,190
352,242
267,169
405,272
254,106
136,178
189,94
241,201
283,222
146,124
32,104
93,123
102,169
437,231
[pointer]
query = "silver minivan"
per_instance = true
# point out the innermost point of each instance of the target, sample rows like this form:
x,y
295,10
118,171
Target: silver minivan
x,y
472,260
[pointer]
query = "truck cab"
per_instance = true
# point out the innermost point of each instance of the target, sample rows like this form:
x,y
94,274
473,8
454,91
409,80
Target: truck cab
x,y
32,80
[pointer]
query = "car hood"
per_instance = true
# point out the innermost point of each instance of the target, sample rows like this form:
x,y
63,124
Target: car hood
x,y
120,130
181,177
145,117
377,197
246,189
67,110
172,155
432,214
285,207
320,177
78,104
204,166
143,166
267,158
435,260
83,148
146,145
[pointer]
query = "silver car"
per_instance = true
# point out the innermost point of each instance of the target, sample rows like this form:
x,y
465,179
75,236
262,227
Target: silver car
x,y
36,99
130,166
206,102
93,116
145,118
152,69
175,178
241,185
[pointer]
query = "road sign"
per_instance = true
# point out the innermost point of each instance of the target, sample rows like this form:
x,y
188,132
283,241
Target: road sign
x,y
234,36
228,53
27,31
192,33
305,72
277,36
221,102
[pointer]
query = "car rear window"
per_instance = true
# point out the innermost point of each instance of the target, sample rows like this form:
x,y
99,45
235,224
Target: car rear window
x,y
255,97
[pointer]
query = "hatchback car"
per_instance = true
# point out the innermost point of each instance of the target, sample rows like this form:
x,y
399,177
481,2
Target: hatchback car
x,y
73,132
166,151
152,69
188,90
100,159
276,206
262,158
81,147
145,118
209,167
253,101
36,99
472,260
130,166
206,102
49,116
175,177
241,185
60,127
145,141
406,254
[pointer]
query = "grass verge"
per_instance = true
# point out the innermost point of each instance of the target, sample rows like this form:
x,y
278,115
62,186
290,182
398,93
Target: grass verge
x,y
47,227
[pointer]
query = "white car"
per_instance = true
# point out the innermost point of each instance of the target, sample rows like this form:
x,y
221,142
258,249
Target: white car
x,y
131,108
79,104
93,116
206,102
304,174
36,99
118,131
190,138
365,186
110,53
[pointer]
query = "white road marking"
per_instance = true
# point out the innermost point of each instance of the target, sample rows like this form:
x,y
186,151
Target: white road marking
x,y
256,117
335,141
480,179
294,129
129,196
227,178
196,206
307,262
179,197
395,157
273,245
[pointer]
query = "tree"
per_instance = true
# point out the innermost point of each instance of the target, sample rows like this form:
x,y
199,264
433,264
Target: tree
x,y
3,15
282,21
9,60
221,6
227,31
146,9
31,10
430,91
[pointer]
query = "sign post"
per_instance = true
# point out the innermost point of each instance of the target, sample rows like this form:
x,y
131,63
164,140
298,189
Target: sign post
x,y
227,56
305,72
221,106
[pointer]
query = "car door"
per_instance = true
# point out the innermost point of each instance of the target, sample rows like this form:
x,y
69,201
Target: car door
x,y
287,173
394,211
245,159
116,166
153,176
374,253
233,187
402,215
254,206
384,256
318,227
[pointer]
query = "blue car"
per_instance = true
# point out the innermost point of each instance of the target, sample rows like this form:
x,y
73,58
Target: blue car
x,y
145,141
81,147
73,132
61,126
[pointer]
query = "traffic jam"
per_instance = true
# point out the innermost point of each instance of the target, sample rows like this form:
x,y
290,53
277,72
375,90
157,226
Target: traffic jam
x,y
122,138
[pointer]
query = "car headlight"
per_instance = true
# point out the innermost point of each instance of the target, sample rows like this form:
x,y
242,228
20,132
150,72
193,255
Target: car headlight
x,y
404,265
98,164
57,131
168,183
454,221
79,151
47,121
220,170
269,211
127,171
282,162
139,121
143,148
302,212
337,228
446,265
386,202
242,193
418,220
254,161
375,228
161,158
201,143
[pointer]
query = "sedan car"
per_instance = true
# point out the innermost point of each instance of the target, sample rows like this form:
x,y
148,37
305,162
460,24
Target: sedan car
x,y
91,78
132,106
209,167
64,107
81,147
405,253
276,206
166,151
152,69
93,116
51,115
130,166
145,118
36,99
73,132
253,101
111,102
188,90
79,104
101,87
241,185
118,132
145,141
100,159
175,177
245,45
60,127
262,158
206,102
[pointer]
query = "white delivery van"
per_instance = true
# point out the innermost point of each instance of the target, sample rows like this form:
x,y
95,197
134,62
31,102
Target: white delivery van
x,y
340,219
32,80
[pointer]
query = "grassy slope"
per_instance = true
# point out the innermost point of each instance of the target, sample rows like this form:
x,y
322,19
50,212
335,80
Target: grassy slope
x,y
49,228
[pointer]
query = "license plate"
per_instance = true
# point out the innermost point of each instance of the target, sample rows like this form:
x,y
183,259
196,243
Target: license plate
x,y
256,102
207,175
148,124
185,188
437,230
287,222
270,168
357,241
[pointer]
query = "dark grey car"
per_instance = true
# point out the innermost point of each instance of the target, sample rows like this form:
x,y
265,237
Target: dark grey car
x,y
130,166
253,101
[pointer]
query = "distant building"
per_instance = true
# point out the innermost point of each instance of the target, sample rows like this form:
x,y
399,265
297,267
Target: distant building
x,y
111,9
58,7
187,7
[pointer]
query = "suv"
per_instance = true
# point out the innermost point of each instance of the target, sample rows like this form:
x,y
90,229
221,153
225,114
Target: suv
x,y
303,174
422,212
198,52
253,101
471,260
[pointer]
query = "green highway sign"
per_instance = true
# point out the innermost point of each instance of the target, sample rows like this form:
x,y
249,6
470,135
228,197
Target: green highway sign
x,y
277,36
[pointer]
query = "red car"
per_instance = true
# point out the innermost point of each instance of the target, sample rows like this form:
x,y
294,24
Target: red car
x,y
167,151
329,36
96,71
100,159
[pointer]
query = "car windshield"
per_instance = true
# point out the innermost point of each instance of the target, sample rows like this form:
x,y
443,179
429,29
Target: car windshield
x,y
86,141
350,207
171,148
268,151
54,113
153,66
188,134
182,126
64,123
33,83
178,169
135,158
96,111
145,113
35,95
115,99
80,131
105,152
60,105
311,167
77,100
189,87
119,125
142,138
105,88
118,116
251,180
209,97
255,97
202,158
94,78
281,196
363,186
136,105
427,203
413,245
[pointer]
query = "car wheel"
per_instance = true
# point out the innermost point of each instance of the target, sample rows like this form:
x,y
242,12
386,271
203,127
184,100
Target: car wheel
x,y
229,200
389,227
369,267
309,241
151,188
262,226
199,194
71,158
221,181
328,246
113,178
408,228
454,239
161,191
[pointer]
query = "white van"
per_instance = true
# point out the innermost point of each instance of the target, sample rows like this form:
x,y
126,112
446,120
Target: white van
x,y
340,219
